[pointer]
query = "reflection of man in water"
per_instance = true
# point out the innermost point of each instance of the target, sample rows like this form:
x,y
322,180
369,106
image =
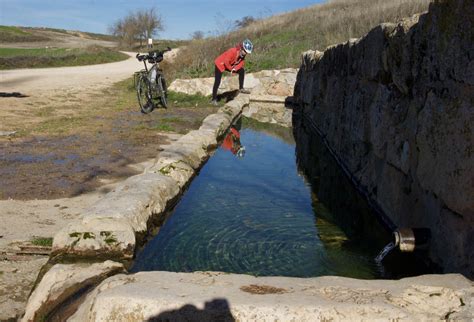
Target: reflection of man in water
x,y
232,143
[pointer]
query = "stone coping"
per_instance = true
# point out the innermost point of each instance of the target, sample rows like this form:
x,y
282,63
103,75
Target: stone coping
x,y
114,226
209,296
268,99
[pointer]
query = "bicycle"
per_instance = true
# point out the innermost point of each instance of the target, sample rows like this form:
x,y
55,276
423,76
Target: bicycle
x,y
150,82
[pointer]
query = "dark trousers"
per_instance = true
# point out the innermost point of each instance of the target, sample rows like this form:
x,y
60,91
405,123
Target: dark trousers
x,y
218,78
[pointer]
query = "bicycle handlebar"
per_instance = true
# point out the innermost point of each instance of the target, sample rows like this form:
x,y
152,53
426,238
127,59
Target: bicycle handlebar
x,y
151,55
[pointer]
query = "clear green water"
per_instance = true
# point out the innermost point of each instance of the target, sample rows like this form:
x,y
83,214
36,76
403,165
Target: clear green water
x,y
254,215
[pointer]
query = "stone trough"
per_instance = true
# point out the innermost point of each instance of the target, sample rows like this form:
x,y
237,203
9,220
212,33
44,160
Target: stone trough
x,y
96,286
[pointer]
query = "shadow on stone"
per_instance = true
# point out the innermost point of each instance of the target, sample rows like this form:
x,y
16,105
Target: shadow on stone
x,y
215,310
12,94
228,96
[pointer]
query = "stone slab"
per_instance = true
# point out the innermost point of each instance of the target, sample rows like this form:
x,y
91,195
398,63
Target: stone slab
x,y
62,281
232,297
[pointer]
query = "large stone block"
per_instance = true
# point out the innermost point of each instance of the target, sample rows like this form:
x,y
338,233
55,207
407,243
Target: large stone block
x,y
62,282
216,123
229,297
135,200
175,168
96,238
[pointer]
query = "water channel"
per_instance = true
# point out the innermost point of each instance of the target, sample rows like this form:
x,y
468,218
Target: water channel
x,y
252,211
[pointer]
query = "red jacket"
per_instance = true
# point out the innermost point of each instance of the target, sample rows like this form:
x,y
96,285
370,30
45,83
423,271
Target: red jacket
x,y
230,59
232,141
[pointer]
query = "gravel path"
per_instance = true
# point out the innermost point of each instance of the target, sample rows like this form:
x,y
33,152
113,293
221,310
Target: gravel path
x,y
30,81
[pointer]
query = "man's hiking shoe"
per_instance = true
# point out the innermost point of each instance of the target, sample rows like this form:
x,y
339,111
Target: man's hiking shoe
x,y
244,91
214,102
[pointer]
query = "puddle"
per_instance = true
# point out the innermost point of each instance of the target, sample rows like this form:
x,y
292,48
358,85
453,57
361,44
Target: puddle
x,y
256,214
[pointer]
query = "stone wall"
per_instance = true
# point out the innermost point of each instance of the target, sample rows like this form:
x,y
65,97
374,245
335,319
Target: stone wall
x,y
396,107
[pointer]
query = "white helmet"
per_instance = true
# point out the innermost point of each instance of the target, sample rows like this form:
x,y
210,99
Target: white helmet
x,y
247,46
240,152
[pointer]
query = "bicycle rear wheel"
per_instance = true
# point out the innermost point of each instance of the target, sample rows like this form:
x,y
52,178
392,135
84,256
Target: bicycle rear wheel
x,y
144,95
162,90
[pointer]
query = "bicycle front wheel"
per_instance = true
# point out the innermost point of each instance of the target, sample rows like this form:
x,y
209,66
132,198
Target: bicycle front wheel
x,y
163,93
144,95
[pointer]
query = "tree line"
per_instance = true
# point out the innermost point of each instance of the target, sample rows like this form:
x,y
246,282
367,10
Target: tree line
x,y
137,26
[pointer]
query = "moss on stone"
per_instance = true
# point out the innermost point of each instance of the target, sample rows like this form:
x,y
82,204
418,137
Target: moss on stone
x,y
88,235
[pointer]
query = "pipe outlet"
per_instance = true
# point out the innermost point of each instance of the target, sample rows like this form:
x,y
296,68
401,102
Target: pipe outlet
x,y
409,239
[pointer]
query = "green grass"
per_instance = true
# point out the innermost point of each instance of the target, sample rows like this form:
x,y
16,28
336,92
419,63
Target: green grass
x,y
165,124
42,241
11,58
61,125
176,99
16,34
12,30
165,127
33,52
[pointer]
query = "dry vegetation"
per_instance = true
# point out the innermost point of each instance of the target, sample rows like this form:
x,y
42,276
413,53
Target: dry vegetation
x,y
280,40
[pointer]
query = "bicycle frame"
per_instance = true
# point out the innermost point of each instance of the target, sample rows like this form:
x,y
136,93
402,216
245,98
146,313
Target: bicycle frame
x,y
136,75
150,82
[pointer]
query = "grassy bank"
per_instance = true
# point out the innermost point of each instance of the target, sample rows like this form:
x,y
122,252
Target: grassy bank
x,y
9,34
11,58
280,40
92,115
82,34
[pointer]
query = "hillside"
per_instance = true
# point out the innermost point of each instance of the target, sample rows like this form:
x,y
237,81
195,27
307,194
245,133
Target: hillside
x,y
280,40
28,37
27,47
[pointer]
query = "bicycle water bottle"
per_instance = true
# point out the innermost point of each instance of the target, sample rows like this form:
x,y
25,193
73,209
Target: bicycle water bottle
x,y
152,76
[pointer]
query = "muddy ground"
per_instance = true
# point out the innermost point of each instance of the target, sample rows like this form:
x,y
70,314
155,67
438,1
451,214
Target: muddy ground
x,y
55,166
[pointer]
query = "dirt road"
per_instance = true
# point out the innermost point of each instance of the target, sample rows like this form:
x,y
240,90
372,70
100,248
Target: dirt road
x,y
32,81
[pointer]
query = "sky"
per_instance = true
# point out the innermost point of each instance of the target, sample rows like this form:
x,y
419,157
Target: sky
x,y
181,17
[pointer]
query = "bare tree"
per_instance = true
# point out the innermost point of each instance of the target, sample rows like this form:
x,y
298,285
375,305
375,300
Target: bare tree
x,y
150,22
197,35
139,25
244,22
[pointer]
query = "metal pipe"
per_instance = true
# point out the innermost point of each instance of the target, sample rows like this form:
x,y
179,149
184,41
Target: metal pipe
x,y
411,239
